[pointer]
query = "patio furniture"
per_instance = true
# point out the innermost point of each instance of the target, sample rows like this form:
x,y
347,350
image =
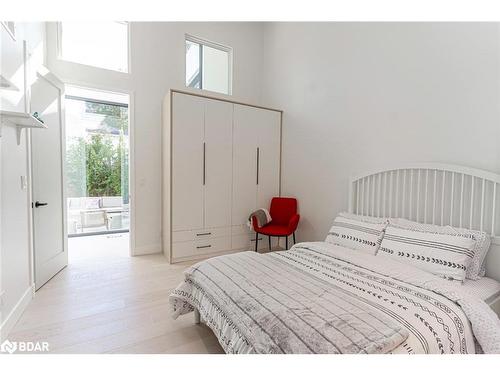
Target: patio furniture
x,y
94,212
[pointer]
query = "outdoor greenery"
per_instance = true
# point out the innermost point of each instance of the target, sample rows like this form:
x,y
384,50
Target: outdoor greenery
x,y
95,166
76,168
103,167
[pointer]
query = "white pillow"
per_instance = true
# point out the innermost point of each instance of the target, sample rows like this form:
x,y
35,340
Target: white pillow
x,y
357,232
476,268
444,255
92,203
367,219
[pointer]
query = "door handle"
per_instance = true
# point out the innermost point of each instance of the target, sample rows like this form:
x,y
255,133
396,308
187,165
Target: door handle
x,y
258,157
204,162
38,204
203,247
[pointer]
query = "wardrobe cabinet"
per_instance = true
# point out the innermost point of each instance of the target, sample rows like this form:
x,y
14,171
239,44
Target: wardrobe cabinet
x,y
221,162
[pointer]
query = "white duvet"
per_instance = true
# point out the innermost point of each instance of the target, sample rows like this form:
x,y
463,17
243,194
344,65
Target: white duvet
x,y
322,298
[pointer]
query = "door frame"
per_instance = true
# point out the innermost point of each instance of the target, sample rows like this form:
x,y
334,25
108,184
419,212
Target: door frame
x,y
52,79
131,145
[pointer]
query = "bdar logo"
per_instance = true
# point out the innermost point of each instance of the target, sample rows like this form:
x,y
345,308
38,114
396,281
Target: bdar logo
x,y
8,347
24,346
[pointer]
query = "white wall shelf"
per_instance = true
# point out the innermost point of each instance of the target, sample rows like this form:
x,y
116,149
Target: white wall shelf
x,y
20,120
24,120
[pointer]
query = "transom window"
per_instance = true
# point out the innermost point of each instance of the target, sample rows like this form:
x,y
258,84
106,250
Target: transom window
x,y
208,65
100,44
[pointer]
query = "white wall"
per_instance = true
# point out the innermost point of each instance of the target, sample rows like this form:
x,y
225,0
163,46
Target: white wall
x,y
157,64
15,240
15,249
358,96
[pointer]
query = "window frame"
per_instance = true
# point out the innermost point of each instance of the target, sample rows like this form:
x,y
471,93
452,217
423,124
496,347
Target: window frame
x,y
218,46
60,56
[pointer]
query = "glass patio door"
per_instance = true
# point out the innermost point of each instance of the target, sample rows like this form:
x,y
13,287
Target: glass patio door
x,y
97,162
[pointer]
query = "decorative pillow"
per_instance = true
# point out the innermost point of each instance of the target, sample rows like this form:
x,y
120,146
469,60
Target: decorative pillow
x,y
367,219
92,203
476,267
357,232
444,255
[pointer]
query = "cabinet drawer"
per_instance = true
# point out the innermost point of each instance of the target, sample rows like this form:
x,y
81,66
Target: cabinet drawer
x,y
200,247
195,235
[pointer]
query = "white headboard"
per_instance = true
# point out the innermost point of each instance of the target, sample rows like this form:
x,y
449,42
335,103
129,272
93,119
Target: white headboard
x,y
436,194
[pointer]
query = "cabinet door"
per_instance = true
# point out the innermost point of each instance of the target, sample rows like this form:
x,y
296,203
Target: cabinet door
x,y
187,162
245,129
268,129
218,163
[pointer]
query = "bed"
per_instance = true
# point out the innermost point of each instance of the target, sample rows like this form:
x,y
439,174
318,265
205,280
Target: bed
x,y
486,289
323,297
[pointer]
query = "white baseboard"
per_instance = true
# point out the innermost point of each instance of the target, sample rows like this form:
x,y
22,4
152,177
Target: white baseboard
x,y
148,249
12,318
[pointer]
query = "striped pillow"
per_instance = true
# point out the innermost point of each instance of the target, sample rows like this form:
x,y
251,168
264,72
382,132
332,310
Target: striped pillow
x,y
357,232
476,268
444,255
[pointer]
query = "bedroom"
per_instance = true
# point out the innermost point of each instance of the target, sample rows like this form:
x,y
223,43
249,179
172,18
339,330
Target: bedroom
x,y
384,120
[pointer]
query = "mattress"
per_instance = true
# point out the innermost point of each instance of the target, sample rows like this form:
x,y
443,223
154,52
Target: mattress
x,y
485,288
270,303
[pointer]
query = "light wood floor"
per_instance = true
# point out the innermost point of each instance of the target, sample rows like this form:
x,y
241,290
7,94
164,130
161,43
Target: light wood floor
x,y
107,302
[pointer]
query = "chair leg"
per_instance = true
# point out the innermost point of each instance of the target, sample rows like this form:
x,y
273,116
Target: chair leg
x,y
286,242
294,242
256,241
269,237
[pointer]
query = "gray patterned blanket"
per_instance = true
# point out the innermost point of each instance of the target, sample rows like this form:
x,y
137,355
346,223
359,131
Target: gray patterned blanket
x,y
322,298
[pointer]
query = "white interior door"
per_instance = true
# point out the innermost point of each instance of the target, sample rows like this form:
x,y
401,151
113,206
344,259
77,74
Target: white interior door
x,y
48,198
187,162
218,162
268,129
245,129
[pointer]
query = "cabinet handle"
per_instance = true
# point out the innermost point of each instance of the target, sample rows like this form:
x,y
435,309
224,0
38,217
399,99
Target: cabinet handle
x,y
253,240
203,234
258,156
203,247
204,163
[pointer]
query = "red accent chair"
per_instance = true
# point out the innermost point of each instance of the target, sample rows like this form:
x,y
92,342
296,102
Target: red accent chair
x,y
284,220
